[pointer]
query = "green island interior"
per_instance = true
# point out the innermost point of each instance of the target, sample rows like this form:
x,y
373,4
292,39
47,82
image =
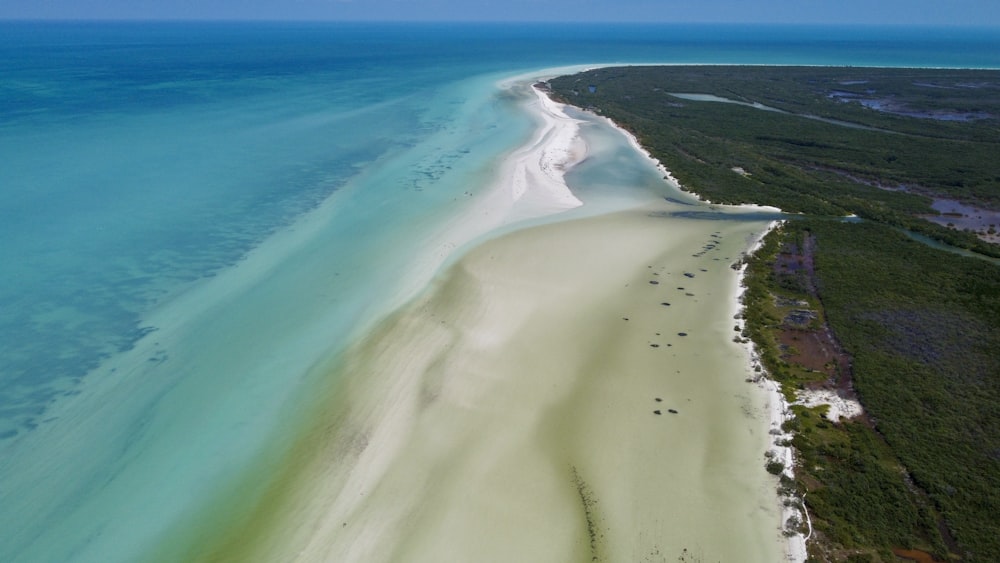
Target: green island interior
x,y
882,285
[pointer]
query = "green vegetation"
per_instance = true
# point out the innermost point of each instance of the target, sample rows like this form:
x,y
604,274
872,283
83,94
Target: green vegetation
x,y
914,330
858,493
822,152
923,329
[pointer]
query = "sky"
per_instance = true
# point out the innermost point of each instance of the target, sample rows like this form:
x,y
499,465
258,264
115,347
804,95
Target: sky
x,y
903,12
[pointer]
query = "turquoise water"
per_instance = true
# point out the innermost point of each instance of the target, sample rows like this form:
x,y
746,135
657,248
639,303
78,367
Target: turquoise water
x,y
196,218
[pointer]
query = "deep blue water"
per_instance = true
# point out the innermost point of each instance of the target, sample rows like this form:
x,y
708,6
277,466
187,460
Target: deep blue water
x,y
139,160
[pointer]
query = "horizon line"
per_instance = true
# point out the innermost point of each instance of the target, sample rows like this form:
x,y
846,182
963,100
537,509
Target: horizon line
x,y
646,23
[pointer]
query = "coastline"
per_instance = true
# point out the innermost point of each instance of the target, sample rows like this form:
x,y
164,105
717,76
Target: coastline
x,y
673,181
779,412
513,394
217,303
526,185
778,407
497,406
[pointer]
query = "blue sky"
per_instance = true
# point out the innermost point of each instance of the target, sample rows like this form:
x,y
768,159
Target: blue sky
x,y
910,12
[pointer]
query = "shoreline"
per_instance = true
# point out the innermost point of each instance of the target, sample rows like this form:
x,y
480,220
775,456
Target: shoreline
x,y
453,436
669,177
778,406
527,186
341,196
440,430
779,411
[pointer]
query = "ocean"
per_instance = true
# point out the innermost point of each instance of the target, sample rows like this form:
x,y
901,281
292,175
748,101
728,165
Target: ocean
x,y
198,218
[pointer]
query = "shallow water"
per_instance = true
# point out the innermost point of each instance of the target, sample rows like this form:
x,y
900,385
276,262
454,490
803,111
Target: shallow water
x,y
197,218
542,402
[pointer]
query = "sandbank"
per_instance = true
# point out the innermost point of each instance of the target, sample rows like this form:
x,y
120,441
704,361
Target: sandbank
x,y
532,177
565,391
528,184
541,403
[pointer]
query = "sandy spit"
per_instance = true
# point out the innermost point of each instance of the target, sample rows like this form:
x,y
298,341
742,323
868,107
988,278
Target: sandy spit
x,y
564,392
540,403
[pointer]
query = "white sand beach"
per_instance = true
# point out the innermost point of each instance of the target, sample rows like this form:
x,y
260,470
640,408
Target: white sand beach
x,y
524,409
563,392
528,184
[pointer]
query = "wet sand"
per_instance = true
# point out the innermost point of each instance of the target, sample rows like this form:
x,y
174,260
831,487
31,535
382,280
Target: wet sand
x,y
541,403
563,392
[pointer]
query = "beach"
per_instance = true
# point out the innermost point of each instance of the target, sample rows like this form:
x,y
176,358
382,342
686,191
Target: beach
x,y
281,296
564,391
